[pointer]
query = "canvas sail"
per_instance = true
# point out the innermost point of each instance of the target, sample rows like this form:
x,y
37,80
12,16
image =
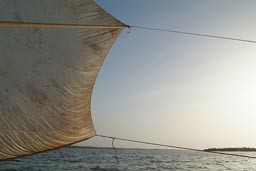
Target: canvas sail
x,y
47,74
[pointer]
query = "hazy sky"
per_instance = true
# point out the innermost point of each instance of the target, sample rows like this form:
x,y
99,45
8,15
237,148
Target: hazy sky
x,y
179,89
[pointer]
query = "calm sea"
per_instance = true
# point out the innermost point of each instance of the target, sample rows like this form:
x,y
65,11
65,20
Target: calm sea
x,y
83,159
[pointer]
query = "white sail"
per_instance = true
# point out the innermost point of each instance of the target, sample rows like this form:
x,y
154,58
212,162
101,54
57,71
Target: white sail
x,y
47,74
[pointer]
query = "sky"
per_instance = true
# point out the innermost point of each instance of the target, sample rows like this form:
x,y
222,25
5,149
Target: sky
x,y
179,89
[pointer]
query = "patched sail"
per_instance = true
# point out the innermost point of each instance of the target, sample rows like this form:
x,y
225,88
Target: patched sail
x,y
47,74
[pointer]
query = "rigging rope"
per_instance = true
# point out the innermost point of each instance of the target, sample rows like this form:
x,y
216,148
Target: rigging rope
x,y
83,26
173,146
116,157
57,25
195,34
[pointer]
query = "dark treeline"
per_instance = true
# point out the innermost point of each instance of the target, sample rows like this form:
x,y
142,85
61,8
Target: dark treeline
x,y
231,149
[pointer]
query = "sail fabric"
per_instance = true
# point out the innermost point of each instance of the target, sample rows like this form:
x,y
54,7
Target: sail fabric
x,y
47,74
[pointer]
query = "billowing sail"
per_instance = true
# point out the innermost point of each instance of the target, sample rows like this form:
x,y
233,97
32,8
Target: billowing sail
x,y
47,74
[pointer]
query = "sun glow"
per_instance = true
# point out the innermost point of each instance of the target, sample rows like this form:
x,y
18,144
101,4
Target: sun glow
x,y
231,96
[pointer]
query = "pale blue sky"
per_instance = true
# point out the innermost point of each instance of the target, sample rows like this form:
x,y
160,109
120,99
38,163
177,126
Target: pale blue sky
x,y
179,89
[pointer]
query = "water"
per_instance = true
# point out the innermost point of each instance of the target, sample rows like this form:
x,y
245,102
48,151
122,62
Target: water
x,y
83,159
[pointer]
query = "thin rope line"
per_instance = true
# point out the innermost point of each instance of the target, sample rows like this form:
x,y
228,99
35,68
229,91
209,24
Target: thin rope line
x,y
116,157
196,34
58,25
177,147
55,25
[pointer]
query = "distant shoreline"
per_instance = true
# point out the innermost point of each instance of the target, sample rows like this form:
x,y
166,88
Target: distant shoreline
x,y
232,149
229,149
90,147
